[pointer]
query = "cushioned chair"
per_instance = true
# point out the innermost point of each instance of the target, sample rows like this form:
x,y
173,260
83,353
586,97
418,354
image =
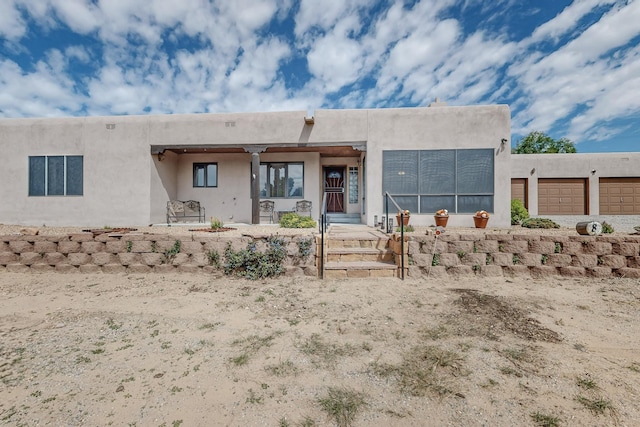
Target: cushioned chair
x,y
266,210
303,207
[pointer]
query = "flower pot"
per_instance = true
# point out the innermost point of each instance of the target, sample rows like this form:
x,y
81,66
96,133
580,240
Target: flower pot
x,y
405,220
480,222
441,220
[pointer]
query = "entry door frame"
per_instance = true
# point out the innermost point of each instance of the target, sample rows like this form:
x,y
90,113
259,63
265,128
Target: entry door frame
x,y
335,188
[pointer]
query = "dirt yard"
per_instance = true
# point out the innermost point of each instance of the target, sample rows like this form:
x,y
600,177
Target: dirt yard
x,y
197,350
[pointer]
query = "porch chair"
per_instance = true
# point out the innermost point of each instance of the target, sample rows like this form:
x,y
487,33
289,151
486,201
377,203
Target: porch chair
x,y
266,210
303,207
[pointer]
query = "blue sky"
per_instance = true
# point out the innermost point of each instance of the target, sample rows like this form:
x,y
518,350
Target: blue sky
x,y
570,69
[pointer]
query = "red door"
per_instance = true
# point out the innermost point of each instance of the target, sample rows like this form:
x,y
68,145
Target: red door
x,y
334,187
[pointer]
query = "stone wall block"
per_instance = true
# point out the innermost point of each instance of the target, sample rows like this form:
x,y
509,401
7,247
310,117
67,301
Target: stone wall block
x,y
8,258
632,273
55,258
190,268
151,259
128,258
201,259
116,246
455,247
448,260
45,247
528,237
114,268
436,271
530,259
89,268
474,259
460,270
542,271
632,262
29,258
600,272
4,247
501,259
164,268
414,248
197,247
516,270
42,268
143,246
166,245
81,237
499,237
20,246
514,246
540,247
93,247
69,247
626,249
572,271
553,238
215,245
449,237
66,268
487,246
103,258
584,260
139,269
612,261
179,259
572,248
421,260
559,260
17,268
79,258
597,248
469,237
491,271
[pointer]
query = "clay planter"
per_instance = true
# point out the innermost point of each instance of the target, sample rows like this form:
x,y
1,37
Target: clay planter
x,y
441,220
405,220
480,222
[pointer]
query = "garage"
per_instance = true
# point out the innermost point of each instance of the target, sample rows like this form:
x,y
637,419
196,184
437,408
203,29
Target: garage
x,y
562,196
619,196
519,190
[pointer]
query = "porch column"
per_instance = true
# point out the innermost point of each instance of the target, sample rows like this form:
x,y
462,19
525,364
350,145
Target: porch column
x,y
255,188
255,151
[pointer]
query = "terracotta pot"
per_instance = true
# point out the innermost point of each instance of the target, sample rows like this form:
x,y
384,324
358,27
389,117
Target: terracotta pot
x,y
441,221
480,222
405,220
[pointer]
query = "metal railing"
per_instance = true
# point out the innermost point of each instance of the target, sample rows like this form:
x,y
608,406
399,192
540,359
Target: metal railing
x,y
389,227
323,229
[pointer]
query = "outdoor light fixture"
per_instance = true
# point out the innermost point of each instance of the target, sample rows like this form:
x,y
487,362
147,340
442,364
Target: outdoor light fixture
x,y
160,157
533,171
504,141
593,171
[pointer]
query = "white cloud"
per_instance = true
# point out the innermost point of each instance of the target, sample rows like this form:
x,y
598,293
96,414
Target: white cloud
x,y
12,26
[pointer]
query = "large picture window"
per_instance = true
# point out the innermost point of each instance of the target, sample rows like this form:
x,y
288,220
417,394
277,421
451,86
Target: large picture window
x,y
424,181
205,174
284,180
55,175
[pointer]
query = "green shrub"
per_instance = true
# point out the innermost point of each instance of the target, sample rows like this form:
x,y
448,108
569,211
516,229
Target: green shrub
x,y
216,223
539,223
254,265
293,220
607,228
518,212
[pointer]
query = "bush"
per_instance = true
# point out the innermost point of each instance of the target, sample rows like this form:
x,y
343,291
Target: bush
x,y
607,228
254,265
539,223
293,220
518,212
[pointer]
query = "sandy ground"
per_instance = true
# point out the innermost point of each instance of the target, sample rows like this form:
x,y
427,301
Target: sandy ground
x,y
198,350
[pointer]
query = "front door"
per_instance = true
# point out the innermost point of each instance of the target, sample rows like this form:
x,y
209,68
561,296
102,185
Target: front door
x,y
334,187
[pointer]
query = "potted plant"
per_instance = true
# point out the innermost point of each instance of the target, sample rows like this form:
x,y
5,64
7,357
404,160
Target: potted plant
x,y
441,217
481,218
403,220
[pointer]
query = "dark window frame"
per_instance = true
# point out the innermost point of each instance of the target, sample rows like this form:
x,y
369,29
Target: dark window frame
x,y
59,175
265,184
205,167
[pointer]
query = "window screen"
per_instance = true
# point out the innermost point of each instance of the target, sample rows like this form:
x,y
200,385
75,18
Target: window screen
x,y
56,176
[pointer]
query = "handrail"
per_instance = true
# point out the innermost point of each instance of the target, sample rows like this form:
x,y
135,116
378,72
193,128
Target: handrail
x,y
388,197
323,228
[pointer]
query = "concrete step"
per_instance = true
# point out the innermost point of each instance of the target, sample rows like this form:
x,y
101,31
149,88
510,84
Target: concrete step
x,y
338,218
337,270
351,254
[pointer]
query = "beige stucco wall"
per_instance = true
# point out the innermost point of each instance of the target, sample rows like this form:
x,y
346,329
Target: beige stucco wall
x,y
591,166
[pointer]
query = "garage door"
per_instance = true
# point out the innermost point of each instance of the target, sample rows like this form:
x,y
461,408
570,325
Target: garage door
x,y
619,196
562,196
519,190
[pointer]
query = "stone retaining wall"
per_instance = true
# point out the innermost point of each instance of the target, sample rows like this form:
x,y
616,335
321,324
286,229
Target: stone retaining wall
x,y
134,253
530,255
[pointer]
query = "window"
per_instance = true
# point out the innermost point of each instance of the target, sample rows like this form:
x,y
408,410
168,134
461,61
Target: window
x,y
55,175
353,184
205,174
424,181
282,180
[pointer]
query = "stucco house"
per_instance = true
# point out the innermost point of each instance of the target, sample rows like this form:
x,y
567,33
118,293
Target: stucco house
x,y
122,170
